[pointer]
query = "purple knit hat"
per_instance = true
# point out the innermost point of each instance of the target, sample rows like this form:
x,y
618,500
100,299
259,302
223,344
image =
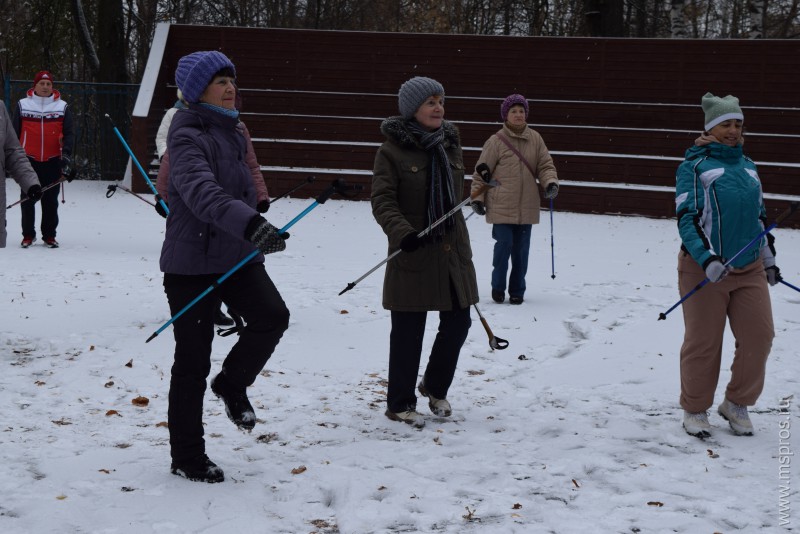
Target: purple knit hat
x,y
513,100
195,71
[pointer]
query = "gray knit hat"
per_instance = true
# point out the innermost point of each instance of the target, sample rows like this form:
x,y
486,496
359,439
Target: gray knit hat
x,y
718,109
414,92
196,71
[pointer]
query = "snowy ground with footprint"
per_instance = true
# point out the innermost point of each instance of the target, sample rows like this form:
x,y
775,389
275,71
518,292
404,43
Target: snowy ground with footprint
x,y
575,427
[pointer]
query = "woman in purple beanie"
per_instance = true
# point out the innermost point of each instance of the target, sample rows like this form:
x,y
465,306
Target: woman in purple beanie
x,y
213,224
517,158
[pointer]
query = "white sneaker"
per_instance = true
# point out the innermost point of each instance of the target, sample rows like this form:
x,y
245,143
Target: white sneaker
x,y
439,407
696,424
411,417
737,417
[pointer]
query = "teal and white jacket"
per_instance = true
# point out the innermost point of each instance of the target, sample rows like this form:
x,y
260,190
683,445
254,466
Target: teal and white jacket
x,y
719,205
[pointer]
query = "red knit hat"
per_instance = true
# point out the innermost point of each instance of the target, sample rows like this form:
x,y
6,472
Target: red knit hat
x,y
42,75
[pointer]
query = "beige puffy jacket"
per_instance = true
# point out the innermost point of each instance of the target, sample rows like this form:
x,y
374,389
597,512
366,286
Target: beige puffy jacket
x,y
516,200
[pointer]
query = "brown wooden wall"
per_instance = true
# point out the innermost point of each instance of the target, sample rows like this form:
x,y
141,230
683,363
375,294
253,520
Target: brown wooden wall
x,y
616,114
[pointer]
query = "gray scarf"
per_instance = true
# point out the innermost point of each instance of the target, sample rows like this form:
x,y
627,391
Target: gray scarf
x,y
441,197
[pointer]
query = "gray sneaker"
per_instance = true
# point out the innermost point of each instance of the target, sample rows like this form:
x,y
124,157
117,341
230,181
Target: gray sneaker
x,y
411,417
440,407
696,424
737,417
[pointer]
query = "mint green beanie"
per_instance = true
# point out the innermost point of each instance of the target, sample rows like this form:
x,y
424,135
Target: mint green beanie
x,y
718,109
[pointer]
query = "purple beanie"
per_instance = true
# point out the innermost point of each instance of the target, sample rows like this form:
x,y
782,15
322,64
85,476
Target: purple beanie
x,y
196,71
513,100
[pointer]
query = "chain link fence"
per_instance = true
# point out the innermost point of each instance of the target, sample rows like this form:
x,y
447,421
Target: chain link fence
x,y
98,154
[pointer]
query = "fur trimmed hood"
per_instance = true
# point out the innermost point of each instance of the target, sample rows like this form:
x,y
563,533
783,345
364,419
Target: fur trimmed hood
x,y
395,129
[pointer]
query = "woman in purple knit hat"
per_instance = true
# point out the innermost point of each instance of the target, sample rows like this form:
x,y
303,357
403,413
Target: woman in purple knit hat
x,y
213,224
517,158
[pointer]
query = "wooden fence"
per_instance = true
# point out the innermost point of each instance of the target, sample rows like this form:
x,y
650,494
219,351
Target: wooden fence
x,y
616,114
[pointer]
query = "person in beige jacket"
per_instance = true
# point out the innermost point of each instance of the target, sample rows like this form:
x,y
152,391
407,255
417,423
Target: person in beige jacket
x,y
517,158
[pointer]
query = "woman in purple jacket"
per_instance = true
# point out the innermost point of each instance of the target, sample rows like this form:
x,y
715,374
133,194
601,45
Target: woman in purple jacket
x,y
213,224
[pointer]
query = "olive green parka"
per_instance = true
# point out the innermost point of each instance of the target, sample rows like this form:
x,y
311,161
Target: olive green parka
x,y
440,272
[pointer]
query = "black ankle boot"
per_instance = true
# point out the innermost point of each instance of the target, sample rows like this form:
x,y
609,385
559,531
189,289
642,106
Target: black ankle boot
x,y
199,469
237,406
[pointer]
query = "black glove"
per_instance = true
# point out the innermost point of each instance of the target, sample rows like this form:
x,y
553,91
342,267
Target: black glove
x,y
160,209
478,207
716,271
66,167
551,191
410,243
773,275
265,236
263,206
34,192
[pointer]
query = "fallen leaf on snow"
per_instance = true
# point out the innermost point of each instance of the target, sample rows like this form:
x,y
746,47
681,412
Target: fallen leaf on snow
x,y
298,470
112,412
655,503
140,401
130,363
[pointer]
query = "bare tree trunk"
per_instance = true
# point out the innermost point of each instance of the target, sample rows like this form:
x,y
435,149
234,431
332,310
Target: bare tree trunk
x,y
85,38
755,8
604,18
677,19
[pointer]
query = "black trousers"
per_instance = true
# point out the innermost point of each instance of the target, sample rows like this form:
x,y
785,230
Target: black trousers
x,y
252,294
48,172
405,352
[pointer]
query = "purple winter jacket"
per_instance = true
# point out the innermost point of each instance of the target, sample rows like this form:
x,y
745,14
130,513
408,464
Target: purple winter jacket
x,y
211,194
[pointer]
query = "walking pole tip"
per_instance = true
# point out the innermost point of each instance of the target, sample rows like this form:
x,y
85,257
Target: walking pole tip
x,y
151,337
662,316
350,286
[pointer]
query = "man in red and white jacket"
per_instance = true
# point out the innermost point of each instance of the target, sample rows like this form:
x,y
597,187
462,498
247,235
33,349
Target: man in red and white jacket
x,y
44,124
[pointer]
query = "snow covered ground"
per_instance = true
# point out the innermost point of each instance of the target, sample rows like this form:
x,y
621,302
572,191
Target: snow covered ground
x,y
574,428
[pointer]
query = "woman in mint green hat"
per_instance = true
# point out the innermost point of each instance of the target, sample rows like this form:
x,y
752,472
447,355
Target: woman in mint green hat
x,y
720,210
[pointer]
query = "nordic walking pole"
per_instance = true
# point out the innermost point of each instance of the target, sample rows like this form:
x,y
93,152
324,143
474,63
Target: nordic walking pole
x,y
309,180
141,170
337,186
782,281
791,209
64,177
494,341
112,188
424,232
552,248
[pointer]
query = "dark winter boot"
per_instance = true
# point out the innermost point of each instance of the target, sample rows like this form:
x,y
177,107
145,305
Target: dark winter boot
x,y
220,319
237,406
199,469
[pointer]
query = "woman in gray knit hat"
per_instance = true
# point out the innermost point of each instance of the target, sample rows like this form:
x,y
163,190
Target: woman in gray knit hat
x,y
418,177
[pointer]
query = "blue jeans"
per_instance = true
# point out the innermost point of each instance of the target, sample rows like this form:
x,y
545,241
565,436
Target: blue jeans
x,y
511,241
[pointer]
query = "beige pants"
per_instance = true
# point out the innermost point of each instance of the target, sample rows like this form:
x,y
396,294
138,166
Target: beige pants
x,y
742,297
